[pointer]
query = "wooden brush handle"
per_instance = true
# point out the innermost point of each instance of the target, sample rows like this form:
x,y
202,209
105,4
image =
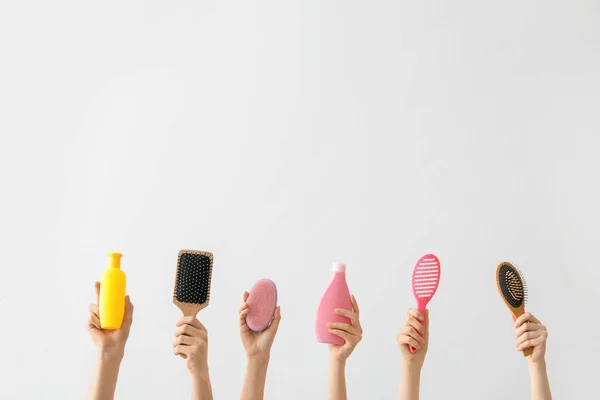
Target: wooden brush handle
x,y
516,314
189,310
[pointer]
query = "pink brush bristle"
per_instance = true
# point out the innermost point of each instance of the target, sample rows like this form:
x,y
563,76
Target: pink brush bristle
x,y
425,281
262,302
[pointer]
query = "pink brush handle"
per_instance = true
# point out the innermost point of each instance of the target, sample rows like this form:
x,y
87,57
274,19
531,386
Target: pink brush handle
x,y
421,308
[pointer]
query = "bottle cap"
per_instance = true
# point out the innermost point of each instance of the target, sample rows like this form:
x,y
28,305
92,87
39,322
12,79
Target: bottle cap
x,y
339,267
114,260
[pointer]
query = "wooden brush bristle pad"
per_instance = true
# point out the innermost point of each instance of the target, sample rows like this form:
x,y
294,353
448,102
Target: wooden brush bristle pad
x,y
192,282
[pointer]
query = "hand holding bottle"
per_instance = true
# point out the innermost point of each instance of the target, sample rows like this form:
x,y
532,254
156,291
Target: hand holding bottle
x,y
351,333
109,341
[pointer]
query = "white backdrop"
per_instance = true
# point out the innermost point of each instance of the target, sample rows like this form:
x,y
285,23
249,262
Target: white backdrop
x,y
282,135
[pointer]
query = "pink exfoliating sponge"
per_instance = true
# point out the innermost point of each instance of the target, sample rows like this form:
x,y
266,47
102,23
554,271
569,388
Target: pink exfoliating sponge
x,y
262,302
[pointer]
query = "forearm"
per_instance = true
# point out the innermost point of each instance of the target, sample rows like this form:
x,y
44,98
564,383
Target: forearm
x,y
105,378
410,382
337,380
255,378
540,386
201,387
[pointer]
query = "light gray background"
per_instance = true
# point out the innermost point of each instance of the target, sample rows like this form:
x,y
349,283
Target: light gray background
x,y
282,135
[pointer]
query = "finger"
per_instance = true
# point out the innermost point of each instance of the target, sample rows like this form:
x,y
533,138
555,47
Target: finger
x,y
412,321
532,342
276,319
94,322
344,327
348,314
189,330
344,335
243,315
128,310
412,333
244,304
427,326
182,350
525,318
528,326
355,306
184,340
97,290
413,312
528,336
93,308
407,340
191,320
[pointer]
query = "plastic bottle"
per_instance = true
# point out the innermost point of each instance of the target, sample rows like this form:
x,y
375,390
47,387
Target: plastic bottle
x,y
112,294
337,295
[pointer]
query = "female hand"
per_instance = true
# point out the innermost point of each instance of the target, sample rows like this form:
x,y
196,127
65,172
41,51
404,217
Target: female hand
x,y
415,334
531,333
191,344
257,343
109,341
352,334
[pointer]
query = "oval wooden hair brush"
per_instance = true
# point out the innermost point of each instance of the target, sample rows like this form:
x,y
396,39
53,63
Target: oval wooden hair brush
x,y
513,290
192,282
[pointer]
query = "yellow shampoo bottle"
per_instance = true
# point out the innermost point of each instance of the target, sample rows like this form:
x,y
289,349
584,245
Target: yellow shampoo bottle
x,y
112,294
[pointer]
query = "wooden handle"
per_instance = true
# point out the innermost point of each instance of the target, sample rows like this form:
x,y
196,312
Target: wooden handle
x,y
189,310
516,313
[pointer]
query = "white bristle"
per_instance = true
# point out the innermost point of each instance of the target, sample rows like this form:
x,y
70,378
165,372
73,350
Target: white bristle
x,y
426,276
525,290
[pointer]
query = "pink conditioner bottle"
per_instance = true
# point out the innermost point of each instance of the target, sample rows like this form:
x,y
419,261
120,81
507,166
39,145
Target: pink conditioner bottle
x,y
336,295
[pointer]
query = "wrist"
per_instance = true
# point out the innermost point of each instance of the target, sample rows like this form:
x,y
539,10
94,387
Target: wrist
x,y
200,375
111,356
199,370
259,360
412,367
337,362
539,364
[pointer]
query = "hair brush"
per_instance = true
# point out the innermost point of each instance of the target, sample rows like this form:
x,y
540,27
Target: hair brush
x,y
425,281
513,289
192,283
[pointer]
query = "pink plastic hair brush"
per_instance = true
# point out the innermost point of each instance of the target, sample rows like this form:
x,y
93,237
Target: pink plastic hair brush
x,y
262,302
425,281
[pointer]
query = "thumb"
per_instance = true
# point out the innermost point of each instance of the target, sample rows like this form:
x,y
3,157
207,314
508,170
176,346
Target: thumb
x,y
427,325
128,309
276,319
